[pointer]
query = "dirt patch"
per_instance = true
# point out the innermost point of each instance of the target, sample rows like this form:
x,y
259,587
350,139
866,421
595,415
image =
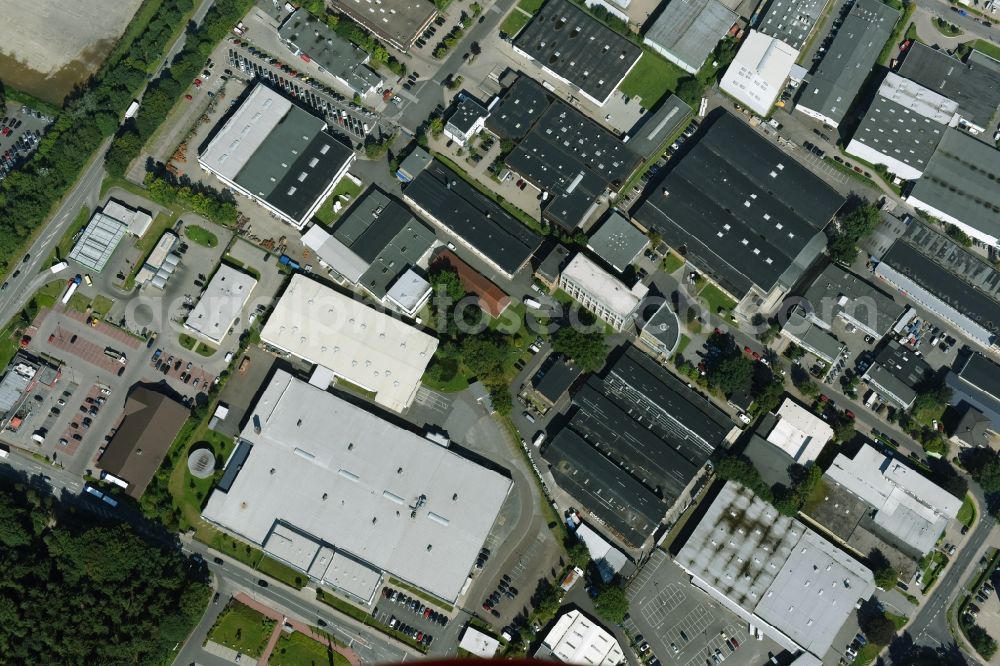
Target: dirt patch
x,y
48,46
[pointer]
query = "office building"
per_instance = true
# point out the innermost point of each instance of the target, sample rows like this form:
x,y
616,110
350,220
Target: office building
x,y
466,121
831,89
617,242
23,374
552,266
220,304
346,338
686,31
602,293
791,21
310,38
278,154
478,644
757,74
903,127
577,49
396,23
552,381
577,639
413,164
316,478
441,196
897,374
661,333
799,432
818,341
161,262
837,293
975,389
774,572
751,219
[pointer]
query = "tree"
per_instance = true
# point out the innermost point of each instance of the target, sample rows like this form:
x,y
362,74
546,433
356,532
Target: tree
x,y
981,641
436,126
612,603
879,629
882,570
857,224
588,350
576,549
731,374
737,467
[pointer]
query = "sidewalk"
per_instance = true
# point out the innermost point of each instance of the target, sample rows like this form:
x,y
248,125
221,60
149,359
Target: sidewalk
x,y
301,627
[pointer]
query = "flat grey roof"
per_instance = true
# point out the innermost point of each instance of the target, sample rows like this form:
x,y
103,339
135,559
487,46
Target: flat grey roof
x,y
836,82
329,50
974,84
398,22
655,127
791,21
98,242
553,263
345,477
961,180
816,340
568,41
745,216
664,326
690,29
466,114
837,291
618,242
414,163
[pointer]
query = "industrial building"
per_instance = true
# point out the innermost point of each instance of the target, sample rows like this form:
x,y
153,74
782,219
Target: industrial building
x,y
799,432
651,429
23,374
490,232
774,572
380,247
686,31
974,84
151,421
654,127
317,481
345,338
617,242
478,644
161,262
277,154
577,639
959,186
818,341
897,374
791,21
565,154
602,293
975,387
398,23
310,38
609,560
751,220
829,92
413,164
837,293
98,241
758,73
577,49
903,127
466,121
220,304
662,332
940,276
907,505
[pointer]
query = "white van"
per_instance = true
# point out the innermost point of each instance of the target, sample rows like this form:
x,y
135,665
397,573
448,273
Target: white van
x,y
532,303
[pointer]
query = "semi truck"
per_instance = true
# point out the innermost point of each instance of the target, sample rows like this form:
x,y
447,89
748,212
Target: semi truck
x,y
71,286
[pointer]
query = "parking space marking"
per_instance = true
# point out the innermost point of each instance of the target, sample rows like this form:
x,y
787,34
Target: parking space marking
x,y
655,560
718,643
694,623
432,399
656,609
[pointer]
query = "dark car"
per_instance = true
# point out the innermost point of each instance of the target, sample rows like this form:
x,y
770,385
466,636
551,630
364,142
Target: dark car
x,y
72,340
121,371
262,582
218,560
215,598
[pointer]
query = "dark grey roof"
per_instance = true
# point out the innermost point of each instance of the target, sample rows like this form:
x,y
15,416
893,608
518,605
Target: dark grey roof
x,y
234,465
945,285
617,242
398,22
655,127
519,109
274,170
974,84
556,379
689,29
769,460
328,49
383,232
977,383
747,215
836,291
553,264
851,56
961,181
968,267
663,326
981,373
972,427
791,21
466,114
608,492
898,132
471,216
568,41
904,364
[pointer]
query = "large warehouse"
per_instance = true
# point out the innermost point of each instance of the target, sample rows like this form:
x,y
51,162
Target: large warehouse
x,y
751,219
278,154
317,473
350,340
220,304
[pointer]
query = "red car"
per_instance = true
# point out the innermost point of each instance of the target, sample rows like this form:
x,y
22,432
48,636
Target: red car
x,y
823,398
5,131
849,414
746,350
188,97
755,355
197,83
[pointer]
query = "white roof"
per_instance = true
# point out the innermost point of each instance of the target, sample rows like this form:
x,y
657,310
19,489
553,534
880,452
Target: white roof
x,y
576,639
919,99
408,291
138,221
245,131
162,250
609,560
758,72
221,303
289,545
478,644
382,494
602,285
347,574
334,254
799,433
362,345
908,505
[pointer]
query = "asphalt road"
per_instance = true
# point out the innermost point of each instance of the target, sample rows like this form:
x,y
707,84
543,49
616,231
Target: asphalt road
x,y
970,24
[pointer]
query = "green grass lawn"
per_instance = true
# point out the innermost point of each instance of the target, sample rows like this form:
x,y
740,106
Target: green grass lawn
x,y
945,28
345,187
242,628
102,304
204,350
78,302
531,6
187,341
514,22
967,514
989,48
297,649
46,296
672,262
682,344
715,299
652,78
866,655
200,235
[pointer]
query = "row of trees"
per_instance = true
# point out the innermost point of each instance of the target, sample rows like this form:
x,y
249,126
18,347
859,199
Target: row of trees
x,y
354,33
853,227
788,500
163,93
74,591
90,115
216,205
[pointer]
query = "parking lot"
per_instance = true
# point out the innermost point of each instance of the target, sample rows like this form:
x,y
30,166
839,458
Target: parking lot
x,y
20,130
410,615
678,623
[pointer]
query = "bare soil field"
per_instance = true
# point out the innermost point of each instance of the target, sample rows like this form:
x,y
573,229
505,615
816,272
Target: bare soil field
x,y
48,46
